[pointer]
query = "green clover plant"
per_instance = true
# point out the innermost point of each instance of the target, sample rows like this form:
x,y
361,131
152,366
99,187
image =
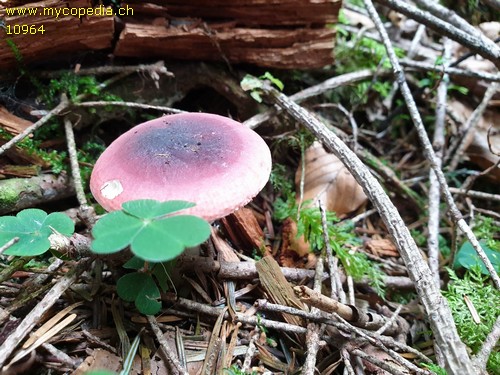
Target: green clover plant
x,y
141,287
33,227
156,233
151,230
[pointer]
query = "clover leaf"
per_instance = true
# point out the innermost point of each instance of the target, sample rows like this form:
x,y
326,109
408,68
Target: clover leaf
x,y
140,288
33,228
150,229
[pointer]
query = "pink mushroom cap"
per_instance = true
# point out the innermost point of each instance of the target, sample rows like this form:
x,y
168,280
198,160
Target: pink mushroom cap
x,y
210,160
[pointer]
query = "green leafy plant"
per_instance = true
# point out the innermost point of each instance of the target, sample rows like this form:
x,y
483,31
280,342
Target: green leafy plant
x,y
141,287
235,370
32,147
486,229
254,84
71,84
33,228
150,229
485,299
309,224
467,257
434,368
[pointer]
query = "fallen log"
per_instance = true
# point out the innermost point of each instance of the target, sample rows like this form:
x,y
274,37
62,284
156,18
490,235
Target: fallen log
x,y
47,34
275,34
19,193
278,48
254,12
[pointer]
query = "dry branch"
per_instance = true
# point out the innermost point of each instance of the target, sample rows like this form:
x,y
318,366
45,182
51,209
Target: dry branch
x,y
34,316
427,149
444,28
438,312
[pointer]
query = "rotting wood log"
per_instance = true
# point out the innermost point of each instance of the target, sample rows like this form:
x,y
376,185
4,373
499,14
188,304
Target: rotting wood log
x,y
278,48
62,35
19,193
253,12
276,34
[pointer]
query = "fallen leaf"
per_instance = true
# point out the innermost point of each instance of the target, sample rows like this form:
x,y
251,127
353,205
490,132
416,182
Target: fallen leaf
x,y
328,180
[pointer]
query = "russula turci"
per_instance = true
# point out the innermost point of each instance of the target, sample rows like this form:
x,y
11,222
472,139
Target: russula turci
x,y
210,160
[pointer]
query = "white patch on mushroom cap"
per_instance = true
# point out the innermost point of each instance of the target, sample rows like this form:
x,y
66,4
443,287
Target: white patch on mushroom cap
x,y
111,189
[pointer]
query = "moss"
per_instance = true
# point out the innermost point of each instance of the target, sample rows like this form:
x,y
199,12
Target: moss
x,y
8,194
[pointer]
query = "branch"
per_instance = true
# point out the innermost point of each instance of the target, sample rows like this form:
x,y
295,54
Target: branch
x,y
446,29
427,146
434,304
438,144
481,358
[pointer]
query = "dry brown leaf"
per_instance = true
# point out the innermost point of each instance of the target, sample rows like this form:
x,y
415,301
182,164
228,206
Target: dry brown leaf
x,y
477,63
382,247
98,360
478,148
328,180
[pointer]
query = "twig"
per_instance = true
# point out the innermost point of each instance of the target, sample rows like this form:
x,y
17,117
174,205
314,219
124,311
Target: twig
x,y
388,341
61,356
416,41
34,316
247,271
73,158
158,68
9,244
446,29
250,353
493,77
63,104
384,365
355,316
315,90
183,304
434,304
350,118
390,321
481,358
314,330
453,18
377,343
171,357
427,146
470,126
438,144
346,358
128,104
335,283
476,194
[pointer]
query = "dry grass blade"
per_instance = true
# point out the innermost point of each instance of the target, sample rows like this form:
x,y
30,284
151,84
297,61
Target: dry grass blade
x,y
214,346
49,324
42,339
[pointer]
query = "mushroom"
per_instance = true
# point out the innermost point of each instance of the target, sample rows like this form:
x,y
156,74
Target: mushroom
x,y
210,160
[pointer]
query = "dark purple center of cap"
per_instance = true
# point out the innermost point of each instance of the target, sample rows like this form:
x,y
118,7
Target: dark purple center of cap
x,y
182,146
